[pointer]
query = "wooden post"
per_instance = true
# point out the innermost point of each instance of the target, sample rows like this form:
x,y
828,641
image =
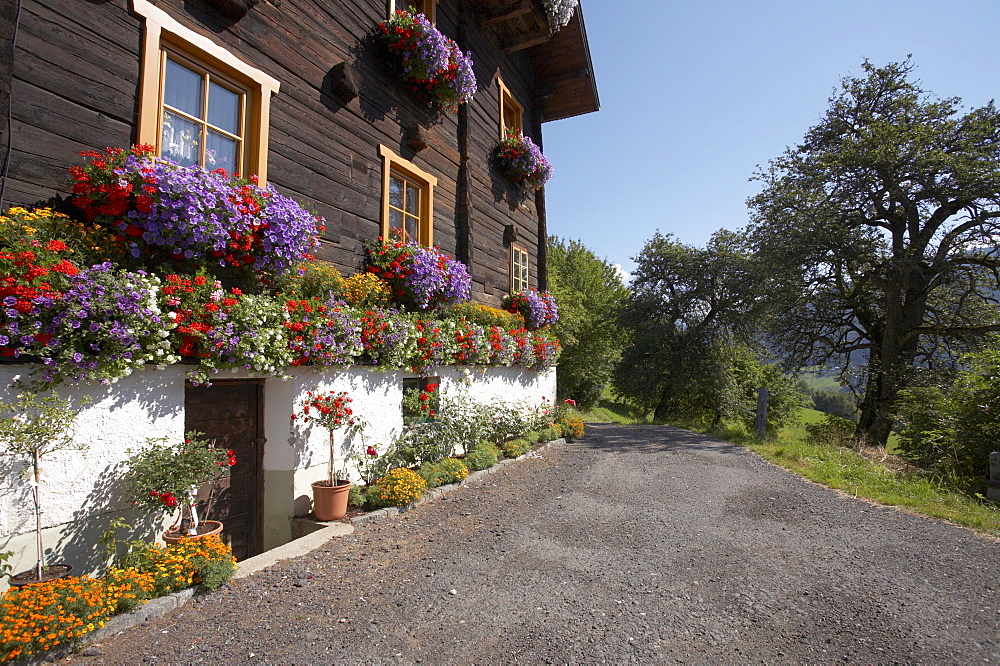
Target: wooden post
x,y
993,485
761,422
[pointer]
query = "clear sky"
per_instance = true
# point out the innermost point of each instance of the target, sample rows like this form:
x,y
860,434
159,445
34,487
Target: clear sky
x,y
696,93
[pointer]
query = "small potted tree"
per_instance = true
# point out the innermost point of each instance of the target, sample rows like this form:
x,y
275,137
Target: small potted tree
x,y
34,427
163,476
331,410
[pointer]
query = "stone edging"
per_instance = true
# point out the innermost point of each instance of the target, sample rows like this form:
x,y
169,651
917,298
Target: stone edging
x,y
157,608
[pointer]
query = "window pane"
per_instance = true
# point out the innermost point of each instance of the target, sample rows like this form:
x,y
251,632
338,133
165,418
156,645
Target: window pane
x,y
180,140
221,152
183,89
411,227
223,108
395,219
396,192
412,200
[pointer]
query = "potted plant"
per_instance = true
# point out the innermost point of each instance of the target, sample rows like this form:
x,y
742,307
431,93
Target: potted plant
x,y
163,476
522,161
35,427
331,410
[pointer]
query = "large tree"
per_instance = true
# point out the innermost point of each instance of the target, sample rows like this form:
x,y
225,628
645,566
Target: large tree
x,y
588,290
691,319
879,233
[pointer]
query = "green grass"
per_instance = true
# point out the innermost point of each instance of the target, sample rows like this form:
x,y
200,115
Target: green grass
x,y
608,410
818,383
843,469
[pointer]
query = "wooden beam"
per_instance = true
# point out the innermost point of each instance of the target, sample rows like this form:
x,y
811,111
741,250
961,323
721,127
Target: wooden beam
x,y
519,10
526,42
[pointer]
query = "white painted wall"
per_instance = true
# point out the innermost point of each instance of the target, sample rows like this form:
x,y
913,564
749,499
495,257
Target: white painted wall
x,y
82,489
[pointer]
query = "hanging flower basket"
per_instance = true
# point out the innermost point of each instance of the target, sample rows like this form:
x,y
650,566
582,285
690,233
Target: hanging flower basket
x,y
522,161
559,12
429,60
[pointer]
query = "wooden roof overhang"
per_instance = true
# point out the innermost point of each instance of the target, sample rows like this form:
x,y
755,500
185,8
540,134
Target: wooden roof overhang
x,y
564,75
565,85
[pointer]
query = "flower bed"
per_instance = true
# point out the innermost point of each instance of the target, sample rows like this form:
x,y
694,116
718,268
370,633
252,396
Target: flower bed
x,y
429,60
39,617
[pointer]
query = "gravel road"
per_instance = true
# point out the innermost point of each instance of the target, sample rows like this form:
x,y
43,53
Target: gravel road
x,y
636,543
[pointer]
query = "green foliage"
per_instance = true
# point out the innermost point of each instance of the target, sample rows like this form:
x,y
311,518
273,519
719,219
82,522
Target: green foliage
x,y
513,448
838,403
548,434
36,426
834,430
485,315
951,428
870,235
484,456
311,279
589,291
356,496
443,472
161,475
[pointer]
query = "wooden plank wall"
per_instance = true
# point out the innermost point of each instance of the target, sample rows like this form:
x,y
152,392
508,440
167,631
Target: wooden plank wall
x,y
75,83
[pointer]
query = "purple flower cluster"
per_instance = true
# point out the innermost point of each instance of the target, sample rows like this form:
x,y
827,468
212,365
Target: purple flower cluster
x,y
520,159
334,338
537,307
207,215
437,279
104,326
430,59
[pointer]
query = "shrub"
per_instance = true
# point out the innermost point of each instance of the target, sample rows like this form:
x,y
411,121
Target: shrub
x,y
399,486
484,456
548,434
128,587
570,424
356,496
367,290
533,437
431,473
205,561
312,279
515,447
484,315
451,470
951,429
835,430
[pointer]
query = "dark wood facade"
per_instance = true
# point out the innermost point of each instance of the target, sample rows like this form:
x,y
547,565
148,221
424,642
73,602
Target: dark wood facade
x,y
75,75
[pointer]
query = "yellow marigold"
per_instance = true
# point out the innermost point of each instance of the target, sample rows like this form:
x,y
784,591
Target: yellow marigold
x,y
399,486
367,290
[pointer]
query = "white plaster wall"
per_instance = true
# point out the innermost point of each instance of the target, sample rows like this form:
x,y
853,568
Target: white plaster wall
x,y
83,484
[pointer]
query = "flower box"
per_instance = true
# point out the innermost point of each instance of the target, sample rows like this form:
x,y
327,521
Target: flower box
x,y
428,60
519,159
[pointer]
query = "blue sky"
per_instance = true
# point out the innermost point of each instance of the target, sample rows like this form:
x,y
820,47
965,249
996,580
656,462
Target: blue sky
x,y
696,93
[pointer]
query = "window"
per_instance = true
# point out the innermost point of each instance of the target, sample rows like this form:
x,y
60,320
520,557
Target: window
x,y
198,103
407,198
202,119
510,112
518,269
426,7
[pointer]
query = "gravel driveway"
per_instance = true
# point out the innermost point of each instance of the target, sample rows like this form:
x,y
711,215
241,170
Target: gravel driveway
x,y
637,543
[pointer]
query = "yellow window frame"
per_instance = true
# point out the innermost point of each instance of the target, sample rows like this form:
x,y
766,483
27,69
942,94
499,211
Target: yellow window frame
x,y
509,110
520,263
426,7
393,164
164,34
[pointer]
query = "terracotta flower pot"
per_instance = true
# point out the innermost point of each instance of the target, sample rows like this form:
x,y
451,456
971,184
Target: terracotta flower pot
x,y
330,502
205,528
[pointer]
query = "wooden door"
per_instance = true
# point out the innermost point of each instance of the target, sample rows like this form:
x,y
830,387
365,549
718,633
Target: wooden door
x,y
231,413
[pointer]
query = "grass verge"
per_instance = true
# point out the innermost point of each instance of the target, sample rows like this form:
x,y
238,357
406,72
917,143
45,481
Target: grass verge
x,y
857,475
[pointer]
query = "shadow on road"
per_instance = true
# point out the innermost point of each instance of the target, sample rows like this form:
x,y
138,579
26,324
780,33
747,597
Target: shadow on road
x,y
651,439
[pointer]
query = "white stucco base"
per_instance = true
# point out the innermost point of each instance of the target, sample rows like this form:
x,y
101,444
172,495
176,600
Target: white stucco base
x,y
82,489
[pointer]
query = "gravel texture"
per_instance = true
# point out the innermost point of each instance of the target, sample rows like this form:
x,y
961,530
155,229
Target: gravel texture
x,y
636,543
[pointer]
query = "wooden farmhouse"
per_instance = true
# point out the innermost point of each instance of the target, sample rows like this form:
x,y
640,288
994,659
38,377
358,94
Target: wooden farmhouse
x,y
310,97
307,98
